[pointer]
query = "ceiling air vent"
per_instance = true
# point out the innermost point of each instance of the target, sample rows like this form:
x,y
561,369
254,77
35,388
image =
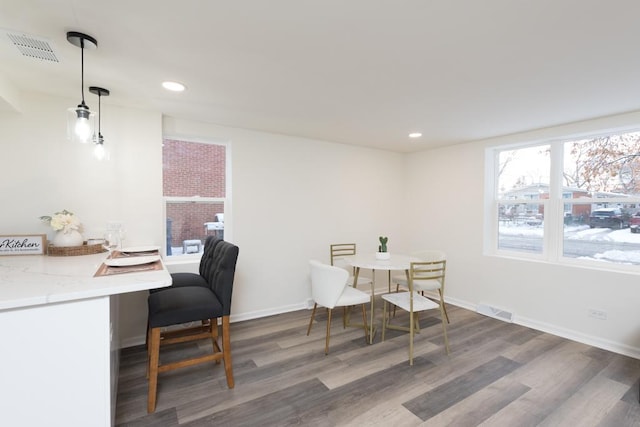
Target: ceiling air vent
x,y
32,46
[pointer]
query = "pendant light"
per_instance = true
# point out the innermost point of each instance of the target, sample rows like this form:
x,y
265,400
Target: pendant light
x,y
80,120
100,151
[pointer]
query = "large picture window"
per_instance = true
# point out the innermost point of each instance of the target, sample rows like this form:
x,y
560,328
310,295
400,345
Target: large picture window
x,y
572,201
195,191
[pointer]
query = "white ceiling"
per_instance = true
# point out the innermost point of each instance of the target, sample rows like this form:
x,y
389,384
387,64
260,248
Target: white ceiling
x,y
364,72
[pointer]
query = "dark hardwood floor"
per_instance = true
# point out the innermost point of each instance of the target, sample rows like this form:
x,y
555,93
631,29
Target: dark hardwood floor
x,y
498,374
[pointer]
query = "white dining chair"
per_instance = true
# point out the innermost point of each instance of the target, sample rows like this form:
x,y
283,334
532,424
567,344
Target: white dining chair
x,y
329,288
434,286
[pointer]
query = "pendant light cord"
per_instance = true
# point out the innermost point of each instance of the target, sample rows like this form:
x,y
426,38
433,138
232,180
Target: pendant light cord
x,y
82,69
99,114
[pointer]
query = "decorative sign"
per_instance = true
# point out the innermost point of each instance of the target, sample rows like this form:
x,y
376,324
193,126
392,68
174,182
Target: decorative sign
x,y
23,244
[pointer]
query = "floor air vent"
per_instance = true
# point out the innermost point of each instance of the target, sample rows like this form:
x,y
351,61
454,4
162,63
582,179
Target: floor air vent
x,y
32,46
494,312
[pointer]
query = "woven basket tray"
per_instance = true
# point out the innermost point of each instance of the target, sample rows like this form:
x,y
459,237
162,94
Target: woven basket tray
x,y
85,249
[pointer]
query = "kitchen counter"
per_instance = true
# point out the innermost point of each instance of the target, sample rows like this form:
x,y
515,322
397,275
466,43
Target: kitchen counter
x,y
31,280
59,332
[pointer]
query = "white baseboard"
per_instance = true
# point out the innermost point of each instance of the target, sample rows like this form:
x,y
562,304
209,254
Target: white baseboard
x,y
579,337
561,332
269,312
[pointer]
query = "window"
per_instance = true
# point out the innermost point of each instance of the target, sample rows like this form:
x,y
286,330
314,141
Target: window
x,y
574,201
523,190
194,187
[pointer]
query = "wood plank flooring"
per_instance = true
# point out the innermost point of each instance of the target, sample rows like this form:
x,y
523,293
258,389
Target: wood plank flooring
x,y
498,374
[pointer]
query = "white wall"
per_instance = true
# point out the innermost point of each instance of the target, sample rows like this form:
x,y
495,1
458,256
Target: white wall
x,y
545,296
44,173
291,198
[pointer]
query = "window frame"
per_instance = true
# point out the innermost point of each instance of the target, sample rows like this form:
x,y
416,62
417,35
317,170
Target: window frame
x,y
554,206
226,201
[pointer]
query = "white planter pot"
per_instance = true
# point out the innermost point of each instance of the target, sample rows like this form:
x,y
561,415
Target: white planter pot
x,y
383,255
71,238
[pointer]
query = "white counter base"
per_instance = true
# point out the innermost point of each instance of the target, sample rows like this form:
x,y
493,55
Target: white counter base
x,y
58,362
55,365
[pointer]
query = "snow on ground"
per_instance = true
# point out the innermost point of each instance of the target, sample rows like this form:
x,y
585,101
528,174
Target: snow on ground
x,y
583,232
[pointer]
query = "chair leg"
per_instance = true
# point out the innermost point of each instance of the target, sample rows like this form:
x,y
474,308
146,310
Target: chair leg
x,y
213,324
154,344
444,328
411,319
326,346
364,322
356,274
443,306
344,317
397,290
384,318
226,351
313,314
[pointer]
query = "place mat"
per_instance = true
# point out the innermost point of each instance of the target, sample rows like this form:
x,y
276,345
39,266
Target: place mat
x,y
119,254
106,270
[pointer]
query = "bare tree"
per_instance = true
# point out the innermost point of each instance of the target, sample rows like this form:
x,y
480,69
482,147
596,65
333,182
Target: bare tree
x,y
599,162
505,160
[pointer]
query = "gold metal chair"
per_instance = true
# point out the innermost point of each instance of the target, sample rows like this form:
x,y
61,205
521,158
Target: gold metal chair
x,y
341,250
436,284
413,302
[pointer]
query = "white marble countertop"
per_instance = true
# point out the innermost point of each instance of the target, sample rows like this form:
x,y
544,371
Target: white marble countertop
x,y
30,280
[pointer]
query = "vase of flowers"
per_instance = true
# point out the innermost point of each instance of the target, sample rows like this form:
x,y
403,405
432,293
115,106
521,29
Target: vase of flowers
x,y
67,227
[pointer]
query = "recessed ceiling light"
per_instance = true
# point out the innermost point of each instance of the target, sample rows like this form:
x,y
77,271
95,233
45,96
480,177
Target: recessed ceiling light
x,y
415,135
173,86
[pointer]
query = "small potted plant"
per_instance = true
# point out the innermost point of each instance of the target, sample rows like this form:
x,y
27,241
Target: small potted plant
x,y
382,249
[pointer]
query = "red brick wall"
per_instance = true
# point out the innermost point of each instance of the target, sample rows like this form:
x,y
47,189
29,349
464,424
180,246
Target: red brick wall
x,y
192,169
187,220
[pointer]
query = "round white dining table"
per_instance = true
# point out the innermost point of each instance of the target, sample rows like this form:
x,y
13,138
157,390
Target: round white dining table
x,y
369,261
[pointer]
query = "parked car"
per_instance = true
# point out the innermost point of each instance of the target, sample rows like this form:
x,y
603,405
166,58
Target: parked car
x,y
634,223
533,221
608,218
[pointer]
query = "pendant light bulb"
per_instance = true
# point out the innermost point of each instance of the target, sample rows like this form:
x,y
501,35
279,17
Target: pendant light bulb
x,y
99,152
82,128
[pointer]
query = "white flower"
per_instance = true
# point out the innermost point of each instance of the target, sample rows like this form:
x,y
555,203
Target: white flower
x,y
65,221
